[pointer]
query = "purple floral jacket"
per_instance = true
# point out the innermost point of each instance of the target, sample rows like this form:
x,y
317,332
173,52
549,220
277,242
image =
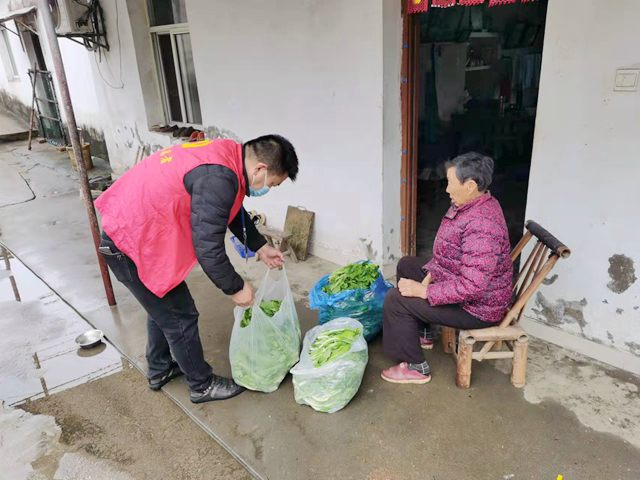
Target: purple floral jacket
x,y
471,263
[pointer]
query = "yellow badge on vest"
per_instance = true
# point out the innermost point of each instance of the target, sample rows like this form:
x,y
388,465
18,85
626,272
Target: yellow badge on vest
x,y
164,154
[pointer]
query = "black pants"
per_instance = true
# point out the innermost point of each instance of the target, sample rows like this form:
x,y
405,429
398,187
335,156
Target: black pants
x,y
403,317
172,322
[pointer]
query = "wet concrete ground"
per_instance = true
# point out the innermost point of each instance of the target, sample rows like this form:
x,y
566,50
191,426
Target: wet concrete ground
x,y
575,418
72,414
12,128
38,353
75,414
110,429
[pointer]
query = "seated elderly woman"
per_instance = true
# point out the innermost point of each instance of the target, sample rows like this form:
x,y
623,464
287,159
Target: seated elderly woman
x,y
467,284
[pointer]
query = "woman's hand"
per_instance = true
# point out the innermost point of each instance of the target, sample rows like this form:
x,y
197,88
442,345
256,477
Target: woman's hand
x,y
427,280
412,289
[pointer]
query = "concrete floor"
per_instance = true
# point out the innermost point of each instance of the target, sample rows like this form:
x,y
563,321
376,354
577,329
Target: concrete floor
x,y
575,418
116,429
73,414
109,429
11,128
39,356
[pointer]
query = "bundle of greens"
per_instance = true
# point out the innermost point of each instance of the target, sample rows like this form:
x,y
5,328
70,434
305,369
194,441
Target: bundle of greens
x,y
332,392
270,308
264,364
262,355
332,344
331,366
355,276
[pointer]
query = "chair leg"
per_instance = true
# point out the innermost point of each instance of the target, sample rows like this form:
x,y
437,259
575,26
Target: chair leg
x,y
448,338
497,346
292,252
463,368
519,372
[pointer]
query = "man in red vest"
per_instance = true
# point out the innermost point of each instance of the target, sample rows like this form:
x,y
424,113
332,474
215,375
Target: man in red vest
x,y
172,211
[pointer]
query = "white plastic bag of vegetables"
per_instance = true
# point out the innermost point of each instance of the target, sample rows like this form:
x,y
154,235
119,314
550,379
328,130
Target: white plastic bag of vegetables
x,y
265,342
334,357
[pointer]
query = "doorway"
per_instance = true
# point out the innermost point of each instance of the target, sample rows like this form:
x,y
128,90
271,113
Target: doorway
x,y
472,75
46,103
37,53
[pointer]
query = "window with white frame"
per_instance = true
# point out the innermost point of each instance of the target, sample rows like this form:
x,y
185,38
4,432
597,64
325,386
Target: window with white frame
x,y
8,59
174,57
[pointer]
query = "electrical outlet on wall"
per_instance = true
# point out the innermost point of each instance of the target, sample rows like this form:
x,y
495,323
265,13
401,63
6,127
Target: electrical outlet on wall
x,y
627,80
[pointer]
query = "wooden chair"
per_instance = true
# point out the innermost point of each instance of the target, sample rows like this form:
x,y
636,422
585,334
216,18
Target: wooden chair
x,y
507,332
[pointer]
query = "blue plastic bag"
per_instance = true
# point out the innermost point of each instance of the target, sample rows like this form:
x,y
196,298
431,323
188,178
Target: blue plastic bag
x,y
364,305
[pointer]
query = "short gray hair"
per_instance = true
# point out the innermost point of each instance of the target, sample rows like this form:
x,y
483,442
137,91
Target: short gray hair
x,y
473,166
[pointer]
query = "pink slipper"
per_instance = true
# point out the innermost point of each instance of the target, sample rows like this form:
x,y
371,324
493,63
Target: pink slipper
x,y
403,374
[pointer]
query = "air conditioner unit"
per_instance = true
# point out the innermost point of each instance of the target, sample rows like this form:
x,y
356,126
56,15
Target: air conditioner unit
x,y
66,14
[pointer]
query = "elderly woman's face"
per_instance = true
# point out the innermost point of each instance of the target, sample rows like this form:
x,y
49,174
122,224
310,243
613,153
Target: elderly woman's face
x,y
460,193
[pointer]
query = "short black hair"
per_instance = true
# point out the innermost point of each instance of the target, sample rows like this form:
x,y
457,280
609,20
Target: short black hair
x,y
473,166
277,153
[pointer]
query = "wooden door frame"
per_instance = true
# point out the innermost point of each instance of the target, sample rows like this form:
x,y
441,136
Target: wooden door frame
x,y
409,100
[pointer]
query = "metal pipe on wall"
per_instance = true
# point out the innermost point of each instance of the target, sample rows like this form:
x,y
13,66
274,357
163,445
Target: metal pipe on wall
x,y
76,143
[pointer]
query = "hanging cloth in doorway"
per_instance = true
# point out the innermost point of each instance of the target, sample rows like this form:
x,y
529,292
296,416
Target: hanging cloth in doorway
x,y
418,6
449,64
421,6
443,3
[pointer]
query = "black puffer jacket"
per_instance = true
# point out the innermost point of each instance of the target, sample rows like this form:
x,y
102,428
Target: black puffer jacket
x,y
213,190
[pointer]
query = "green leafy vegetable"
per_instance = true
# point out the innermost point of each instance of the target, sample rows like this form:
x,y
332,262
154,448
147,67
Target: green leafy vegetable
x,y
270,308
352,277
330,373
356,291
332,392
332,344
261,358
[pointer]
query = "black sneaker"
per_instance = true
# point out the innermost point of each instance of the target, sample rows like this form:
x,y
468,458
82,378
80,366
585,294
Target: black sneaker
x,y
157,383
220,389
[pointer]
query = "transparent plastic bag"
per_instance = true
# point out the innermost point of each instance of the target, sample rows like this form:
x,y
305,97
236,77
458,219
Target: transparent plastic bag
x,y
262,352
331,387
364,305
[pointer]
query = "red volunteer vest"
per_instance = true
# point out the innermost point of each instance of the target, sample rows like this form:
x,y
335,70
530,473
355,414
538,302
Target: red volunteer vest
x,y
147,211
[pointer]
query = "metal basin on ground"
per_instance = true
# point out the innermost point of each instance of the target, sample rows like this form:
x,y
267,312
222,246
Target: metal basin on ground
x,y
90,339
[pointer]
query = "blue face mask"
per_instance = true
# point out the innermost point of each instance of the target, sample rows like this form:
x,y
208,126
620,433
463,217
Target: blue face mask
x,y
263,191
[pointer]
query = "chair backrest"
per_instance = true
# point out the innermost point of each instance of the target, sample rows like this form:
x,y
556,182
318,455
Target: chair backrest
x,y
535,269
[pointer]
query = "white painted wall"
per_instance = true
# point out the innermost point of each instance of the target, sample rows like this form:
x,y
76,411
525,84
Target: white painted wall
x,y
19,87
77,61
311,71
392,133
583,185
127,87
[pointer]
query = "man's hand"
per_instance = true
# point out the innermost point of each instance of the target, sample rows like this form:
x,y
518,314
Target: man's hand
x,y
412,289
427,280
272,257
245,297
